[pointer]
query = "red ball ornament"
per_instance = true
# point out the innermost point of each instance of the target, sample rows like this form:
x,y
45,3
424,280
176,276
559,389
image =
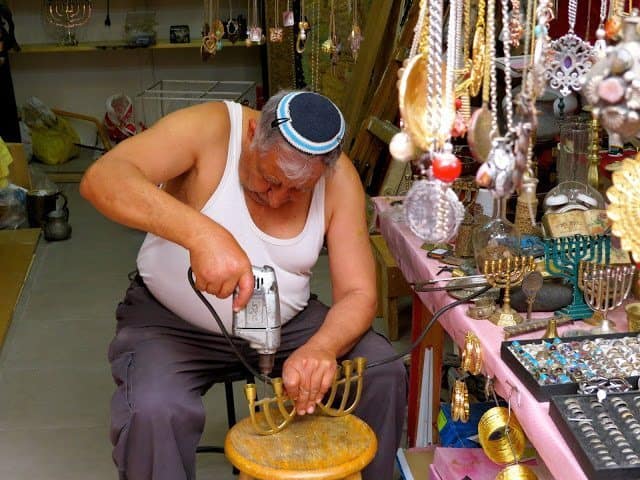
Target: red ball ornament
x,y
446,167
458,103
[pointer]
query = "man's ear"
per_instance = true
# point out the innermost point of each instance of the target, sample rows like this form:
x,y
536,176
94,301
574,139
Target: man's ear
x,y
252,126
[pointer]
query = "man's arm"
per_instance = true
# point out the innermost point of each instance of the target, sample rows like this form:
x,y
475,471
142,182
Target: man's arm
x,y
122,185
310,369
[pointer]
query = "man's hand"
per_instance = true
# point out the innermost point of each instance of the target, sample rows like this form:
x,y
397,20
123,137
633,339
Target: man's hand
x,y
220,265
307,374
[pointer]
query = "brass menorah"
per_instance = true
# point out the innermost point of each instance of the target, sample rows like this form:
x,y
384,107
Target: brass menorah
x,y
68,14
278,418
605,287
506,273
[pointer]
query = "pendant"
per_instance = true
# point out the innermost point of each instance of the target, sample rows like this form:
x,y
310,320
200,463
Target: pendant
x,y
275,34
209,43
218,29
479,133
255,34
328,46
233,30
355,39
570,61
287,18
497,173
434,225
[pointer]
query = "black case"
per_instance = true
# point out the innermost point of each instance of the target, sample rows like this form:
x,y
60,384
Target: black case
x,y
587,456
543,393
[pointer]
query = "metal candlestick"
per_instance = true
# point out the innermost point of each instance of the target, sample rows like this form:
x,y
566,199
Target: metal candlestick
x,y
279,410
593,177
68,14
605,287
506,273
563,257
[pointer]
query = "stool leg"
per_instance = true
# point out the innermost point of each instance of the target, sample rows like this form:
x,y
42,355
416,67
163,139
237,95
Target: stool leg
x,y
231,410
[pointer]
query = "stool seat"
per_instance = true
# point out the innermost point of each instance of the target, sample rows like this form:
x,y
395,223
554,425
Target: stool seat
x,y
314,447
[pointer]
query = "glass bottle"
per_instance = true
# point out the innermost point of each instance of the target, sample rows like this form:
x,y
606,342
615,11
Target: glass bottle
x,y
498,238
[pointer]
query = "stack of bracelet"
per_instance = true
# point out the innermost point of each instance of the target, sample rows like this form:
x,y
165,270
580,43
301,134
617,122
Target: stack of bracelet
x,y
605,428
554,361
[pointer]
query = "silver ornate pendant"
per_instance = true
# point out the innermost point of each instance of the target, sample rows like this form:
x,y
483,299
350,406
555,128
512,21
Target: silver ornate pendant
x,y
499,173
570,60
433,211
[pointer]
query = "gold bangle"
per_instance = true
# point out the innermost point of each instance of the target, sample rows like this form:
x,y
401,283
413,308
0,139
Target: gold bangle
x,y
501,436
471,354
460,402
517,471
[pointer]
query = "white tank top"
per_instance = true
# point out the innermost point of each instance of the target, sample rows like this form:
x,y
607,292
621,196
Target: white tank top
x,y
163,264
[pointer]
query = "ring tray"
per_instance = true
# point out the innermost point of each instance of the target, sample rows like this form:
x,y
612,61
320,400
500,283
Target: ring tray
x,y
543,390
607,442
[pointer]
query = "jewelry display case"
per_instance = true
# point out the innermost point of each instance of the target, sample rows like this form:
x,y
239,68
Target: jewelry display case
x,y
550,367
603,433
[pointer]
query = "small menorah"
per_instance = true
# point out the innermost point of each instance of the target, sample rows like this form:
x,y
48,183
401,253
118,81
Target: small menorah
x,y
562,258
605,287
68,14
506,273
278,418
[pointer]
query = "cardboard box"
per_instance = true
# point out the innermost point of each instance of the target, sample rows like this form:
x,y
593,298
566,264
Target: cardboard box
x,y
415,463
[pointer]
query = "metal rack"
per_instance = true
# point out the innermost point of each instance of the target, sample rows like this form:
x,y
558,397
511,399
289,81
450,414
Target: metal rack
x,y
166,96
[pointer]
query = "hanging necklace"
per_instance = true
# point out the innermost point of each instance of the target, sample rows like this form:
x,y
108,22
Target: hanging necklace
x,y
355,37
233,29
497,173
479,134
570,58
209,40
255,31
600,44
433,210
287,16
303,26
315,47
328,46
275,32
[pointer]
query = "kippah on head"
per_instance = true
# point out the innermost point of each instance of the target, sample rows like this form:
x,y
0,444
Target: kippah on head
x,y
310,122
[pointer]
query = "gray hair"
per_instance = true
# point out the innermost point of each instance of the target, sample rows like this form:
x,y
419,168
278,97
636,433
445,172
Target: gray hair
x,y
294,163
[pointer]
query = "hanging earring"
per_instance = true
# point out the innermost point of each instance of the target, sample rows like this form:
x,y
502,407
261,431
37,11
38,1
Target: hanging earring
x,y
233,29
303,26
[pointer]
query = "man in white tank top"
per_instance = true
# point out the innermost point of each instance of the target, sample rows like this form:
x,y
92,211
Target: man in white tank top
x,y
239,187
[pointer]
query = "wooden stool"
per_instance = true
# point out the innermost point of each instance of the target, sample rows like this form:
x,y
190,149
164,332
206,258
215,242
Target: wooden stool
x,y
314,447
391,284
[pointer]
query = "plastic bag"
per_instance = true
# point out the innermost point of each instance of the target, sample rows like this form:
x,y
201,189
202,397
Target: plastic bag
x,y
54,141
119,120
12,207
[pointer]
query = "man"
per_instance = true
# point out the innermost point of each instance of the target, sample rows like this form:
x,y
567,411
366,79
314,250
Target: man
x,y
238,188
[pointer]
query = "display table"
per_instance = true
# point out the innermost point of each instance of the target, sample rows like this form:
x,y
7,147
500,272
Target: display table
x,y
533,415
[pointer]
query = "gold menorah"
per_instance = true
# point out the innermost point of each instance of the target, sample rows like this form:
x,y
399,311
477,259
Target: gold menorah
x,y
278,418
68,14
506,273
605,287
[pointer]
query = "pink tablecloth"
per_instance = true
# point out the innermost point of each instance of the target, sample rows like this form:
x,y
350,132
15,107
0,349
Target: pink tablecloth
x,y
533,415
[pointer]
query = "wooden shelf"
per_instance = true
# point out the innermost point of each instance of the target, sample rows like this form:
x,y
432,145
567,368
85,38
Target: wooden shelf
x,y
114,45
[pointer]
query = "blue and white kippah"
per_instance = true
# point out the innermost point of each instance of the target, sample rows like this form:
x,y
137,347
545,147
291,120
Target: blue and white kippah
x,y
310,122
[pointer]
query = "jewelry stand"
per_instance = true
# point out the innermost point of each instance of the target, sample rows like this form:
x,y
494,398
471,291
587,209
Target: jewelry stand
x,y
605,288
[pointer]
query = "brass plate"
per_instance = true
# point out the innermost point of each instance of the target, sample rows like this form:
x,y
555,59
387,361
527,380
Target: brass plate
x,y
479,134
412,100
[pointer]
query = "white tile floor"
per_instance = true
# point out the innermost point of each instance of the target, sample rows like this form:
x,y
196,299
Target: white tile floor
x,y
55,382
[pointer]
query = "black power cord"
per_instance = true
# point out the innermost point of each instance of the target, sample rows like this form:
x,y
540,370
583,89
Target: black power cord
x,y
377,363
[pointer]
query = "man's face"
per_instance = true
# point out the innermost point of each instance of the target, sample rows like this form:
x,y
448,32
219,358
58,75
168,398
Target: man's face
x,y
265,182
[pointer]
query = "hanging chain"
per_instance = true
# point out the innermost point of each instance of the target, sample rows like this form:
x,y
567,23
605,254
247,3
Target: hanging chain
x,y
434,70
448,109
603,11
419,29
506,45
493,86
573,8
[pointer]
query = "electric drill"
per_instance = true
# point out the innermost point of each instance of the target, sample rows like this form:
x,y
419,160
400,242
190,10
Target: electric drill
x,y
259,321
